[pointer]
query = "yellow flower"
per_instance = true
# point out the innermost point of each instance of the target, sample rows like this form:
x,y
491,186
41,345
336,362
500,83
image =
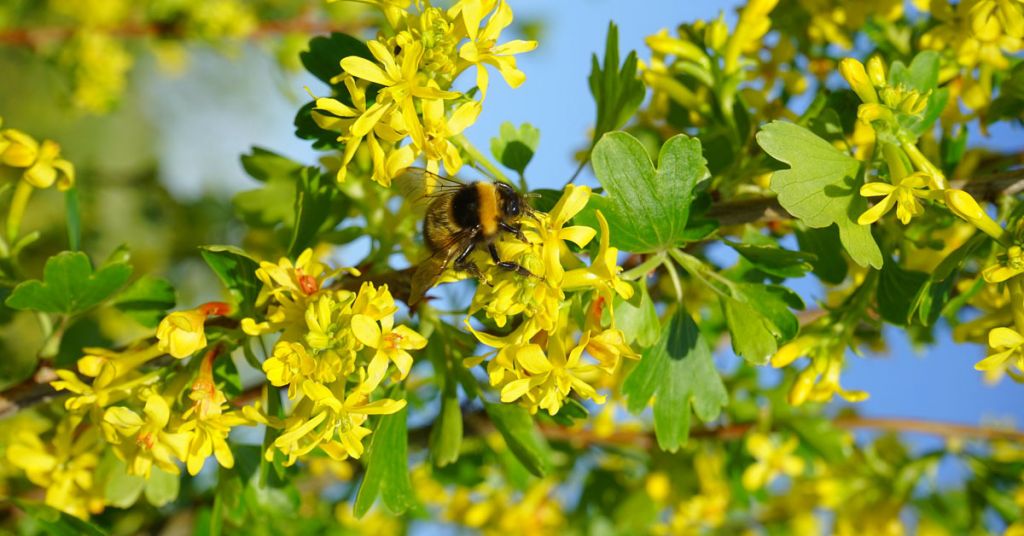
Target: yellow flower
x,y
483,47
773,458
148,441
323,420
43,164
289,364
331,114
603,272
289,289
392,345
437,131
1009,346
904,195
64,466
546,380
181,333
553,232
401,84
608,347
1012,266
754,23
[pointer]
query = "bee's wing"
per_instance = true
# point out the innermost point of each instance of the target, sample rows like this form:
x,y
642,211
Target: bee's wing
x,y
420,186
430,270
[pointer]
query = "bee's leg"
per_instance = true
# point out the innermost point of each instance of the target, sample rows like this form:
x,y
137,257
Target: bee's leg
x,y
508,265
516,230
461,263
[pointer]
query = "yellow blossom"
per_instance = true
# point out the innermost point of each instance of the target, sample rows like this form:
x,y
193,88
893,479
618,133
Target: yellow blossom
x,y
483,48
603,272
1008,345
64,466
323,420
438,129
144,441
42,162
289,364
772,459
546,380
181,333
903,195
554,233
1012,265
401,83
392,345
206,422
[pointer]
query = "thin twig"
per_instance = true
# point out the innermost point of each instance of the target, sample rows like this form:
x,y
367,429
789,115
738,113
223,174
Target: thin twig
x,y
645,440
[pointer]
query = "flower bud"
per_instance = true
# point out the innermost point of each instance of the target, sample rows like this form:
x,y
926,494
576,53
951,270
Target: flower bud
x,y
181,333
962,204
802,386
716,33
874,112
876,72
854,73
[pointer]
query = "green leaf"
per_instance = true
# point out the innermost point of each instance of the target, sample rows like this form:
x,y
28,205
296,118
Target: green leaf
x,y
514,147
237,270
829,264
69,285
120,489
263,165
323,59
821,187
56,523
774,260
935,292
146,300
648,209
896,293
679,372
162,487
521,435
821,435
922,74
446,434
617,91
319,206
639,322
753,336
387,467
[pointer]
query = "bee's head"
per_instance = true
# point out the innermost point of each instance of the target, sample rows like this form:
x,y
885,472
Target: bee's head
x,y
512,204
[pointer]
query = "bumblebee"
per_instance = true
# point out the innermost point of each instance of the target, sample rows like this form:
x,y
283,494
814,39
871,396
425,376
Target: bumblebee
x,y
461,217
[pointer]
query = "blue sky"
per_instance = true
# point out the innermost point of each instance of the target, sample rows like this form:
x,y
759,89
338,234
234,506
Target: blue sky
x,y
201,137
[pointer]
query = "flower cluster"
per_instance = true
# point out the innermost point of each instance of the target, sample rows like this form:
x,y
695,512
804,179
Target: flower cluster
x,y
542,361
335,349
886,109
819,382
410,79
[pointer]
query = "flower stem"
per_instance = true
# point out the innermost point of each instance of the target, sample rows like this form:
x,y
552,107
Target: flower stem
x,y
19,202
641,270
479,158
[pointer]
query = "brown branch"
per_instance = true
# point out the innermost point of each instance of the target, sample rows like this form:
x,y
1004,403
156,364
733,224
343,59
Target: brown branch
x,y
644,440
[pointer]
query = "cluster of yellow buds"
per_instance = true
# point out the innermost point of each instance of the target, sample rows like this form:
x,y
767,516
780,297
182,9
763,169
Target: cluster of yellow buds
x,y
335,349
489,508
43,167
414,67
716,57
542,361
819,382
701,511
912,176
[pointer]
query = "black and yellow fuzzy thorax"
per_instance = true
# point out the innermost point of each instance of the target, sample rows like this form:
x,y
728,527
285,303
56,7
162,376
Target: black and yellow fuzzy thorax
x,y
474,206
